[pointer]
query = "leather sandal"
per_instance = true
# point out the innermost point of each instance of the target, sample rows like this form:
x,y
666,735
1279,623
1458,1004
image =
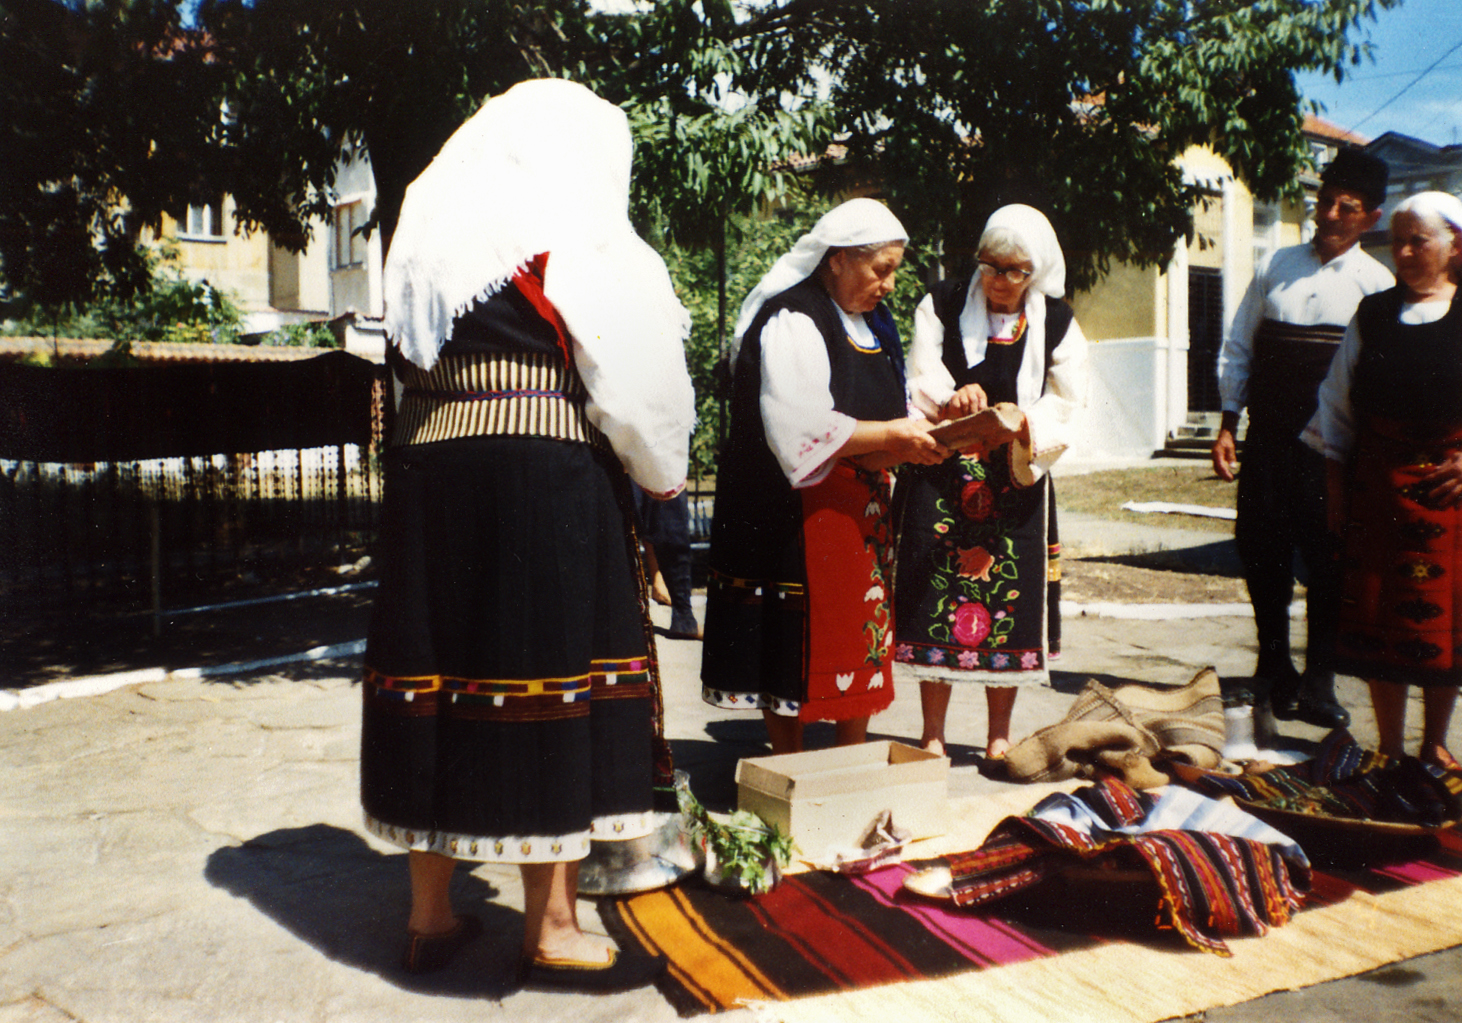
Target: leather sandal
x,y
623,971
427,953
1444,760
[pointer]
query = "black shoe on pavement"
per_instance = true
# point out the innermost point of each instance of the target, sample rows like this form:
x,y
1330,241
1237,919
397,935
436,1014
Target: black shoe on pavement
x,y
1284,687
1317,704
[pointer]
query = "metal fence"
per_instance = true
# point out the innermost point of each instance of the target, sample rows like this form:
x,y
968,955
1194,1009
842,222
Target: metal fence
x,y
133,533
144,533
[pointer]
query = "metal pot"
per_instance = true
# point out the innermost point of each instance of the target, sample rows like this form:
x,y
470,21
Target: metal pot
x,y
632,865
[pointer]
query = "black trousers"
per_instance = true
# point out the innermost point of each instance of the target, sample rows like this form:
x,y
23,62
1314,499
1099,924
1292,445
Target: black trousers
x,y
1281,511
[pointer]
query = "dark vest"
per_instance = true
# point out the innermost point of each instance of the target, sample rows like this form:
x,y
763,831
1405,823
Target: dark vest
x,y
997,374
866,385
1408,372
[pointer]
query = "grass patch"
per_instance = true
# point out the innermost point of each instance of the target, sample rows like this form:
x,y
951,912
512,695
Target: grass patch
x,y
1103,493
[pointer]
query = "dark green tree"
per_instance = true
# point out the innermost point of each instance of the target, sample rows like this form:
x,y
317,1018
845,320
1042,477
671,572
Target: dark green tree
x,y
110,116
1077,106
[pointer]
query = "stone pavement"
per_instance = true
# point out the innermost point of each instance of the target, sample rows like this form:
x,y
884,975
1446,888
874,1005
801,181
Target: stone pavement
x,y
190,849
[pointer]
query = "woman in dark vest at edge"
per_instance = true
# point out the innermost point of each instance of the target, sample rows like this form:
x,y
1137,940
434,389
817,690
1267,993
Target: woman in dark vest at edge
x,y
798,621
978,591
1390,427
512,703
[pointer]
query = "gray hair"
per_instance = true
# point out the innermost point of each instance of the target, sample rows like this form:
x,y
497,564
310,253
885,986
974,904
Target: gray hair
x,y
1437,210
1003,243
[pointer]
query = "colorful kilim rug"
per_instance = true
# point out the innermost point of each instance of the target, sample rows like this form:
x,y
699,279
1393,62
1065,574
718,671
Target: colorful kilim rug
x,y
822,933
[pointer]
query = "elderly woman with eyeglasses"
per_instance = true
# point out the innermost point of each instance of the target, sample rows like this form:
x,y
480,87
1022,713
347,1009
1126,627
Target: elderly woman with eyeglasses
x,y
977,590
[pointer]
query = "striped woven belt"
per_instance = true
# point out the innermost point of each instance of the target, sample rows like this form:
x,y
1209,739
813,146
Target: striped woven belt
x,y
527,395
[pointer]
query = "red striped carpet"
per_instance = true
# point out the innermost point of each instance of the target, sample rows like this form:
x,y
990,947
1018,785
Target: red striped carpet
x,y
820,933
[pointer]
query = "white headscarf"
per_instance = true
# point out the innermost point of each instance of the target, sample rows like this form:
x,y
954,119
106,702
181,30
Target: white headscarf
x,y
1034,234
1038,239
544,167
1435,204
855,222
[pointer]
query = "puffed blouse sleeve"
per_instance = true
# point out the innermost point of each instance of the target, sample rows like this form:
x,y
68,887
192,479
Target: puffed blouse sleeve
x,y
930,383
1331,430
802,428
640,394
1054,416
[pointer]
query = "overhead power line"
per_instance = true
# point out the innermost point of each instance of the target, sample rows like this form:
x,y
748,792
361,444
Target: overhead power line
x,y
1405,88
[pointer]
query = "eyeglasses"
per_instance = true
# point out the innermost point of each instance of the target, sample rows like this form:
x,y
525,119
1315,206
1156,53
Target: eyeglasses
x,y
1013,274
1346,207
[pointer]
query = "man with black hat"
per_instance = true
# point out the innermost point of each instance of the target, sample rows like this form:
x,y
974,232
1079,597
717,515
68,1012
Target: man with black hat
x,y
1287,328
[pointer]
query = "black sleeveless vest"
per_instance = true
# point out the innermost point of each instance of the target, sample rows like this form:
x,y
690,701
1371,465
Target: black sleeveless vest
x,y
1408,372
997,374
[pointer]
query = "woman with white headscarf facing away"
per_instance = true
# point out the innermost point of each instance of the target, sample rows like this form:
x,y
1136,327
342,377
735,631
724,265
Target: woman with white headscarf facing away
x,y
797,611
978,576
512,704
1390,427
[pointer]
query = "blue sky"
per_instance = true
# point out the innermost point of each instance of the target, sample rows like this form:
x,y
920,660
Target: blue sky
x,y
1407,40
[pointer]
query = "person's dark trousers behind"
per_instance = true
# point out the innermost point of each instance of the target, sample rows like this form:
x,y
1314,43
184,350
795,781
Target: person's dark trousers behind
x,y
1281,509
665,525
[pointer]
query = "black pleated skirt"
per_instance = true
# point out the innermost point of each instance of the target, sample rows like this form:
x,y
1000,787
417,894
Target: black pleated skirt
x,y
511,705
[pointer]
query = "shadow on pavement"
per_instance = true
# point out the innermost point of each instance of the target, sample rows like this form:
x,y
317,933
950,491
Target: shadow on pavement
x,y
327,887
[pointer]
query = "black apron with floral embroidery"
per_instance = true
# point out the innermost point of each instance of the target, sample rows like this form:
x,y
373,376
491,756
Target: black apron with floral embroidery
x,y
977,581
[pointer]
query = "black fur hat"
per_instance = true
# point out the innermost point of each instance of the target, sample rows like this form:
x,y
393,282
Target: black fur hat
x,y
1358,171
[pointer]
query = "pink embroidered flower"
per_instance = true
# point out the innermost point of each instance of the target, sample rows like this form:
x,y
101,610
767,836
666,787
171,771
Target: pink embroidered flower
x,y
1000,661
976,501
935,655
969,659
1030,659
904,652
941,527
975,563
971,624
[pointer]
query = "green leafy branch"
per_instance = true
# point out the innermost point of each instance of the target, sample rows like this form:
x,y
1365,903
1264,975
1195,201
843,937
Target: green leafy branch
x,y
745,846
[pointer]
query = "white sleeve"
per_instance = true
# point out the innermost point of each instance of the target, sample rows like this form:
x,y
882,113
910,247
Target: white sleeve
x,y
640,394
1053,417
1237,350
930,384
802,428
1331,431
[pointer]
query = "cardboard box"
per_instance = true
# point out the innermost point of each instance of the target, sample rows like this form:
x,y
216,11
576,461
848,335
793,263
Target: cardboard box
x,y
827,798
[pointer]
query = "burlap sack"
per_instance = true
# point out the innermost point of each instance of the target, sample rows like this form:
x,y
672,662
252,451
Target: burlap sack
x,y
1123,730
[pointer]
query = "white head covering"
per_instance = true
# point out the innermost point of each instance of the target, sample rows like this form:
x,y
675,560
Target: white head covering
x,y
1434,204
855,222
1038,239
544,167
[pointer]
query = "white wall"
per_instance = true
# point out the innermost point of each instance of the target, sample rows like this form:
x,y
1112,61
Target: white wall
x,y
1121,420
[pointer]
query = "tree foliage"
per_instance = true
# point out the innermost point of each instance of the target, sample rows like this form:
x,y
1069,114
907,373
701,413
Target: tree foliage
x,y
1079,107
947,106
109,117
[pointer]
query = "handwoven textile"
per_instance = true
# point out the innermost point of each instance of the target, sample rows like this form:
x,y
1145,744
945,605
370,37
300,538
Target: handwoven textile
x,y
1344,780
1220,871
887,954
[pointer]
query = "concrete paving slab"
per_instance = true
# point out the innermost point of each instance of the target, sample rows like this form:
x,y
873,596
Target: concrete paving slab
x,y
192,850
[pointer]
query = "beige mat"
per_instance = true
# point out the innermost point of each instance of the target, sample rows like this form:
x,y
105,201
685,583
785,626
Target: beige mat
x,y
1128,983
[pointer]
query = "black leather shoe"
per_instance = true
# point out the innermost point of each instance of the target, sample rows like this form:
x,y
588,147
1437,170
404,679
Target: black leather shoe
x,y
624,970
1321,711
427,953
1317,704
1284,691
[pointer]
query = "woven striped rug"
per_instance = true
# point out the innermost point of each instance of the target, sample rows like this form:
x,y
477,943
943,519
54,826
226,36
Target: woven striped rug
x,y
821,934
